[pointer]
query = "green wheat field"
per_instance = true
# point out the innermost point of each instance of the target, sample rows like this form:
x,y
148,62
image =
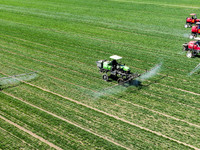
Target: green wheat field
x,y
62,40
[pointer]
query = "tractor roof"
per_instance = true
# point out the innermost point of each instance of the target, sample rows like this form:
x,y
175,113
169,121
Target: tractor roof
x,y
115,57
193,14
197,38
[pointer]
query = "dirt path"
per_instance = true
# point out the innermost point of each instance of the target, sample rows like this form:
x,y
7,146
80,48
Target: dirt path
x,y
105,113
31,133
63,119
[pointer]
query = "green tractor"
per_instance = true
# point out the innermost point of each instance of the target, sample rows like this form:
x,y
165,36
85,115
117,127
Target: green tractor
x,y
116,71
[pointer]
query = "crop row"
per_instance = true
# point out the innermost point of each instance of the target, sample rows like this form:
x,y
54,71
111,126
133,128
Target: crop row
x,y
190,99
109,107
82,67
170,69
42,124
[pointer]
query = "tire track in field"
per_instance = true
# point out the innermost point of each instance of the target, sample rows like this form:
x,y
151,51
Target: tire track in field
x,y
31,133
17,138
107,114
56,66
63,119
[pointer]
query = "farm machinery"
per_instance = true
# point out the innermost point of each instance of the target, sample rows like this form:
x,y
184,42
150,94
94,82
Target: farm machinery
x,y
191,20
195,30
192,48
116,71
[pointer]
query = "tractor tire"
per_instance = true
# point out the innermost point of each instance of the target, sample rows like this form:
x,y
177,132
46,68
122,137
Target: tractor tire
x,y
105,77
120,81
191,37
186,26
185,48
190,54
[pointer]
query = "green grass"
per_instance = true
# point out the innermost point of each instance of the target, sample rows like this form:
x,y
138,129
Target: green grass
x,y
63,39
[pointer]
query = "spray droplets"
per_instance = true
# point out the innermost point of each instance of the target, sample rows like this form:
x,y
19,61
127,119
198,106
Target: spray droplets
x,y
10,81
151,73
118,89
195,69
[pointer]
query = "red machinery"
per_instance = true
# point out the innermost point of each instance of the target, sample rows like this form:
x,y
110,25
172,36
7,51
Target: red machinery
x,y
192,48
191,20
195,30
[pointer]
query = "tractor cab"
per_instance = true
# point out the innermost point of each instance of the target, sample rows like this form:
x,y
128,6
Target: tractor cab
x,y
118,66
193,16
191,20
114,62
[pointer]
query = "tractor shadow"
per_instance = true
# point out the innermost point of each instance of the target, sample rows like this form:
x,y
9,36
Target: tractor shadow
x,y
8,87
198,56
138,84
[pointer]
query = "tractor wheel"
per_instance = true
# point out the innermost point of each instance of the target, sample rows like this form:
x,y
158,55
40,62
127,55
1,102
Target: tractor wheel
x,y
186,26
105,77
185,48
191,36
190,54
120,81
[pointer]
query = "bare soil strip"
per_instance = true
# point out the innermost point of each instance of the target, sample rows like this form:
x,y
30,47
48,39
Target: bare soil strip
x,y
63,119
110,115
31,133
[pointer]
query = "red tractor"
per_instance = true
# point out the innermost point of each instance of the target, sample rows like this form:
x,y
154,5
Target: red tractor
x,y
192,48
195,30
191,20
